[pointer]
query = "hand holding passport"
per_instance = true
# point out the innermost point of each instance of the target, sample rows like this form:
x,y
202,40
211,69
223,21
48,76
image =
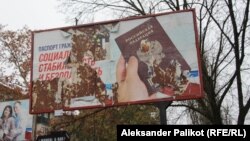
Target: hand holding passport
x,y
160,65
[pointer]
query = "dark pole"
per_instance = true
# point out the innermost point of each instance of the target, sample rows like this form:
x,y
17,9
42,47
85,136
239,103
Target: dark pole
x,y
162,106
76,21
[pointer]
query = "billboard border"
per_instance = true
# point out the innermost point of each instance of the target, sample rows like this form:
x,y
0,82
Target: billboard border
x,y
201,94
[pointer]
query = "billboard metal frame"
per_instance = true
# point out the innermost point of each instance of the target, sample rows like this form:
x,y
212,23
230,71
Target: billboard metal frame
x,y
44,53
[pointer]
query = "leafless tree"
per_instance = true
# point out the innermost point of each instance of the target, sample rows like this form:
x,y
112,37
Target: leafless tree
x,y
223,60
86,10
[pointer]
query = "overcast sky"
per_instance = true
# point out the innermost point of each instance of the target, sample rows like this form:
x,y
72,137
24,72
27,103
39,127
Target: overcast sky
x,y
36,14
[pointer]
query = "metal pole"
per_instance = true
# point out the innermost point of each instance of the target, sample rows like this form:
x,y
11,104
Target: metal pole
x,y
162,106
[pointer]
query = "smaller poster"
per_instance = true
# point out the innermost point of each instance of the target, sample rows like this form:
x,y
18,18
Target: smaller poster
x,y
15,121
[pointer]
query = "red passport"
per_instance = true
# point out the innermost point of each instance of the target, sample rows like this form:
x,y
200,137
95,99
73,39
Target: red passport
x,y
160,63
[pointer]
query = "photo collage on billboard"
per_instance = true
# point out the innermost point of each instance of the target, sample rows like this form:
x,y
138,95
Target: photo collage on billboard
x,y
86,66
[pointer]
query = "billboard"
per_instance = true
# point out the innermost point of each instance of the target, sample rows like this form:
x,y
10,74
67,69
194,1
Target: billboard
x,y
127,61
15,121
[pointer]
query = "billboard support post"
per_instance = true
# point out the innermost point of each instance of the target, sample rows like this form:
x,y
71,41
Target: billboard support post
x,y
162,106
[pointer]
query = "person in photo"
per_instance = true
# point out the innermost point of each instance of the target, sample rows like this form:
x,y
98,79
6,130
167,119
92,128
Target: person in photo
x,y
7,124
20,122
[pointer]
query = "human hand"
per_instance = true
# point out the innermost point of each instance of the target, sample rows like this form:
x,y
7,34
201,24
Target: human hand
x,y
130,86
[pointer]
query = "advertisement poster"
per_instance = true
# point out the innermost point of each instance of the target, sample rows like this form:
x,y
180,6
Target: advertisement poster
x,y
127,61
15,121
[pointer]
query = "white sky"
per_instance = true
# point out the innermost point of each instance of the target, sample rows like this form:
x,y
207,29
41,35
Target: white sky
x,y
36,14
